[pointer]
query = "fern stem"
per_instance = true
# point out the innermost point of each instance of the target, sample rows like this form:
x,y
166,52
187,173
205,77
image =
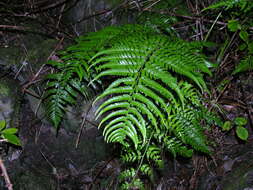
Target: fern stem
x,y
142,158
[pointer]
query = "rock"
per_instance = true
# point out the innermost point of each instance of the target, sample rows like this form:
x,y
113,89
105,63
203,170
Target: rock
x,y
235,173
85,9
9,101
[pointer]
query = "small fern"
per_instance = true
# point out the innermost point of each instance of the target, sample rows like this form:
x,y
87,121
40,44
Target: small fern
x,y
243,5
160,23
130,180
244,65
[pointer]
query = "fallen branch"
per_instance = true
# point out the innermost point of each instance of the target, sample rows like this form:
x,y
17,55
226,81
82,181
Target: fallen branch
x,y
5,174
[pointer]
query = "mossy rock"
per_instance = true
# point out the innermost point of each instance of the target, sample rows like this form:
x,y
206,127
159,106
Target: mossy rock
x,y
10,97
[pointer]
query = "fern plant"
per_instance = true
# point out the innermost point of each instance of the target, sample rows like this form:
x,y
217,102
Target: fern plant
x,y
243,5
244,65
153,97
148,68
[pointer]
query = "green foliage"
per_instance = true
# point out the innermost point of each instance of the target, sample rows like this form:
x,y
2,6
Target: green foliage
x,y
61,90
146,67
240,121
240,130
243,5
129,180
234,25
226,126
242,133
153,100
9,134
160,23
245,65
239,14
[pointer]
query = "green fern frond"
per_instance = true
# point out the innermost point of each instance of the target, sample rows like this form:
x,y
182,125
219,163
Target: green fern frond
x,y
134,184
160,23
146,66
130,179
152,101
175,146
129,173
244,65
185,125
62,90
146,170
131,156
154,154
243,5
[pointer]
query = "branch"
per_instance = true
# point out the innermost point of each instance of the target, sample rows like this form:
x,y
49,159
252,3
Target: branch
x,y
23,29
5,174
199,18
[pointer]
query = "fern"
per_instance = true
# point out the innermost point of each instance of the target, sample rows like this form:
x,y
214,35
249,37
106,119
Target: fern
x,y
146,66
243,5
129,180
160,23
61,90
153,99
150,95
244,65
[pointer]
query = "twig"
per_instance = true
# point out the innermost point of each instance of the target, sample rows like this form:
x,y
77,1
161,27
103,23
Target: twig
x,y
13,27
100,171
23,64
6,176
50,6
209,32
24,29
82,126
153,4
198,18
60,16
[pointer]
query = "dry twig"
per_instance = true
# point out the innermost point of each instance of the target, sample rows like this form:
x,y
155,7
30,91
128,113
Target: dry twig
x,y
5,175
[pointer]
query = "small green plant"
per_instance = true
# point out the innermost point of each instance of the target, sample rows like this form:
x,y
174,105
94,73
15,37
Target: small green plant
x,y
246,64
238,124
239,14
244,6
9,134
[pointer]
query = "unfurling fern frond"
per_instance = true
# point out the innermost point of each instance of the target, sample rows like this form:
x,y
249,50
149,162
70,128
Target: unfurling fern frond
x,y
244,65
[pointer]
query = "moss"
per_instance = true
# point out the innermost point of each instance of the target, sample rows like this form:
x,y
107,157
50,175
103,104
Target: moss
x,y
38,52
10,97
38,55
10,56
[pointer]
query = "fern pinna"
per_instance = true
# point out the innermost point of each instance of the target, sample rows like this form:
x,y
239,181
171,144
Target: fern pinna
x,y
153,100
